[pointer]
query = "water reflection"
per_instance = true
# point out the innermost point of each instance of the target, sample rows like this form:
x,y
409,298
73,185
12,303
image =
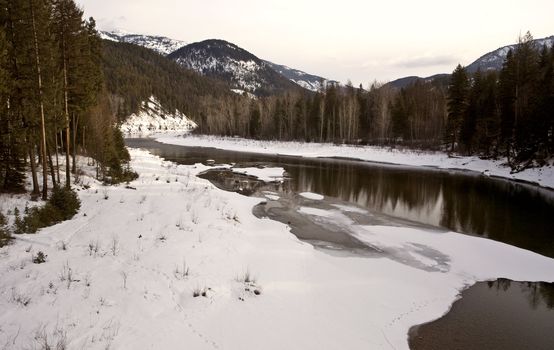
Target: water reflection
x,y
505,211
537,294
500,314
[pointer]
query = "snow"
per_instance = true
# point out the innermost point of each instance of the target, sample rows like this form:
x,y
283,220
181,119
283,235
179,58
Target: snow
x,y
269,174
242,92
160,44
350,209
312,196
132,292
245,74
542,176
153,118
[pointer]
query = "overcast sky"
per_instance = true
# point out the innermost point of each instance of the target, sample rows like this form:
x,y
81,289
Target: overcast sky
x,y
361,40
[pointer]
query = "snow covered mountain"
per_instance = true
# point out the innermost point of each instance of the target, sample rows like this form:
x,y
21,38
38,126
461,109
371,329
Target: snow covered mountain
x,y
494,60
489,61
160,44
307,81
153,118
217,58
238,67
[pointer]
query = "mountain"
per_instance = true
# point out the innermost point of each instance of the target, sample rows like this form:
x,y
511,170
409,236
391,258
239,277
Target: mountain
x,y
494,60
134,74
407,81
307,81
489,61
227,62
160,44
235,70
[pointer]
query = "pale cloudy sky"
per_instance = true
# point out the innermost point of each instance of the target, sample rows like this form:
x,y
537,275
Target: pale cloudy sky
x,y
341,39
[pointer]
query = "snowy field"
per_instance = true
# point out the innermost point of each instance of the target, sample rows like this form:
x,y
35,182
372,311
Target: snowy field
x,y
135,257
542,176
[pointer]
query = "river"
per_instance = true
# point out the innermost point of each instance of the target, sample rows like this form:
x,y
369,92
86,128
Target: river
x,y
514,213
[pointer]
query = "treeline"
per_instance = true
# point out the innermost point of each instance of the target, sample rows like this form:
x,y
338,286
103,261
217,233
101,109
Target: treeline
x,y
413,116
53,97
509,114
490,114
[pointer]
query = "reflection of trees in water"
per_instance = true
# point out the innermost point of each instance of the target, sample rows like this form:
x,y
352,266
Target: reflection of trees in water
x,y
535,292
499,210
368,186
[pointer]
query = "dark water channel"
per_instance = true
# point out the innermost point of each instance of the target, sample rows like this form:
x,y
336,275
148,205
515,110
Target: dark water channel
x,y
490,315
500,314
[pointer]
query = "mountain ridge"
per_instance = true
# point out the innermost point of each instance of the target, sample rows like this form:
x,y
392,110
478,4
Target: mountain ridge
x,y
226,61
493,60
245,65
161,44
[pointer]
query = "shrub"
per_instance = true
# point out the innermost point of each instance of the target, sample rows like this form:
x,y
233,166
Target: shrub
x,y
66,201
39,258
4,234
62,205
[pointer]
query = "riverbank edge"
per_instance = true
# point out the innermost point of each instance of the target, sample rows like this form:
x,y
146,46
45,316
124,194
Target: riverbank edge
x,y
542,177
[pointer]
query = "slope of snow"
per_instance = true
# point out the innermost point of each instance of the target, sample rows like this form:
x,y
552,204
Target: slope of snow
x,y
542,176
153,118
494,59
160,44
136,255
305,80
244,73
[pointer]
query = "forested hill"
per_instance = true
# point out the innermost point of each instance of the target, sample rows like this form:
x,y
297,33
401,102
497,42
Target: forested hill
x,y
228,62
134,73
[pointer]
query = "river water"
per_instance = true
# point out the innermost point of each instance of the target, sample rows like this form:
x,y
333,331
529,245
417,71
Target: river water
x,y
518,214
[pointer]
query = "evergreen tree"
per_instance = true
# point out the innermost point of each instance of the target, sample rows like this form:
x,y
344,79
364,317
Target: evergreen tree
x,y
457,105
12,171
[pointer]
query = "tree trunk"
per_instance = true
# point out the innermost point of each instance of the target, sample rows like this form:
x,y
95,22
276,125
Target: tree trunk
x,y
66,113
36,190
51,164
75,122
57,160
40,97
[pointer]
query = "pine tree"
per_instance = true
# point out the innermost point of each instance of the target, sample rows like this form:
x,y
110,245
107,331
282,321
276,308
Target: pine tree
x,y
39,15
457,105
67,27
12,173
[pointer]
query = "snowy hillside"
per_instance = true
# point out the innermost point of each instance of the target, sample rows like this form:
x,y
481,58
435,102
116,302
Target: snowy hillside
x,y
154,118
159,44
232,64
225,61
307,81
494,60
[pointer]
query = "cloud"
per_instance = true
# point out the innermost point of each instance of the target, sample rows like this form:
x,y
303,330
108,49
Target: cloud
x,y
426,61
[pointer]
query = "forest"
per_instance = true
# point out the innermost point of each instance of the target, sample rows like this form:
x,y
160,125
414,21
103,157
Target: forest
x,y
63,92
53,97
490,114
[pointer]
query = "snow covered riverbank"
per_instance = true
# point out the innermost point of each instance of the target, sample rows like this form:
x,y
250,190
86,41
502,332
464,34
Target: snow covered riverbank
x,y
135,256
542,176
